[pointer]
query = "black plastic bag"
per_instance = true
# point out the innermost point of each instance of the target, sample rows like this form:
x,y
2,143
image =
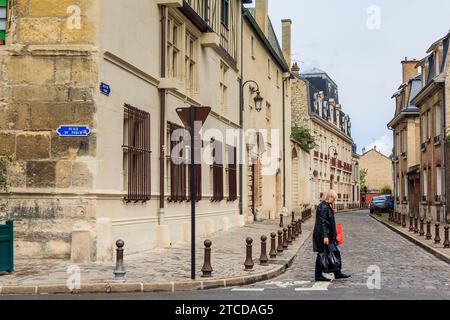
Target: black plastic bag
x,y
330,260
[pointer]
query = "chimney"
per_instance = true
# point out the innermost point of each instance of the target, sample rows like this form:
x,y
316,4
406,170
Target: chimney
x,y
295,69
287,40
262,15
409,69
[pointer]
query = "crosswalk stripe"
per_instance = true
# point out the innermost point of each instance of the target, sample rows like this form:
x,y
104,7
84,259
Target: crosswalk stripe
x,y
248,289
318,286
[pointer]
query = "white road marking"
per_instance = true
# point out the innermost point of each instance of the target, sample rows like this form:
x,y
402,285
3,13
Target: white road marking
x,y
248,289
318,286
287,284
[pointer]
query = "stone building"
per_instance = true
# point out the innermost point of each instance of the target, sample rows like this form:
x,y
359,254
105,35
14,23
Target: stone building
x,y
406,131
433,101
70,63
315,106
267,184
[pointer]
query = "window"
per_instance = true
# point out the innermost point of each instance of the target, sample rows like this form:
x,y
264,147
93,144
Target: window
x,y
232,173
429,125
253,47
278,78
431,69
269,69
173,47
397,145
444,59
425,184
424,124
406,187
136,154
217,171
3,17
225,13
439,181
177,163
223,88
404,141
190,62
438,121
397,188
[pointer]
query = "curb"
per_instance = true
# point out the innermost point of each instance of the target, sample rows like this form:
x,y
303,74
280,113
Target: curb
x,y
139,287
420,244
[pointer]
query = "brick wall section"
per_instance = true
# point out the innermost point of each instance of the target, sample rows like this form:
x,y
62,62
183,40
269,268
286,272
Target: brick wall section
x,y
48,74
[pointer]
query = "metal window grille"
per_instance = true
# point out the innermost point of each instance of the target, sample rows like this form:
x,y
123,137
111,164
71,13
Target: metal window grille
x,y
137,154
178,164
217,171
232,174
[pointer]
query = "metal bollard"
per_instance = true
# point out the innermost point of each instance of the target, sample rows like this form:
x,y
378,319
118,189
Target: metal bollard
x,y
446,236
429,235
281,221
293,218
416,225
437,238
289,239
422,231
119,271
404,221
207,268
411,224
285,236
264,260
280,241
294,230
300,226
248,259
273,245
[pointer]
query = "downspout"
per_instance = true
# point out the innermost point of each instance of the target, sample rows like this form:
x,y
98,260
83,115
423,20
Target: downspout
x,y
241,123
162,129
444,155
284,142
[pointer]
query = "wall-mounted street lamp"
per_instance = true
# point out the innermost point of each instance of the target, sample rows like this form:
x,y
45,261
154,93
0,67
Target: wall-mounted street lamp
x,y
335,151
258,98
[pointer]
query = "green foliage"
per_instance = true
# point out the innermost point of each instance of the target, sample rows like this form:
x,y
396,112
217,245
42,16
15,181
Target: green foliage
x,y
363,179
386,189
305,138
447,138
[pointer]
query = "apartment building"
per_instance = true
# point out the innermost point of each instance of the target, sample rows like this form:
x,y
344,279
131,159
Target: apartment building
x,y
433,101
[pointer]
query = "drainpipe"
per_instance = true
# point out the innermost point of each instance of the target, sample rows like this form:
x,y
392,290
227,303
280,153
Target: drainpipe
x,y
162,129
284,142
241,123
444,155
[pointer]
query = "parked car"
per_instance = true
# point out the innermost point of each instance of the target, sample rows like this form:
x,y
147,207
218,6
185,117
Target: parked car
x,y
382,203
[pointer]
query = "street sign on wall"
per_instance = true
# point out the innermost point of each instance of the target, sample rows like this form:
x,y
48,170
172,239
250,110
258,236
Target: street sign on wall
x,y
105,89
73,131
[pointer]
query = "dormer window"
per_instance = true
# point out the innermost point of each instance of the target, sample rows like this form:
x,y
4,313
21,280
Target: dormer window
x,y
431,68
444,55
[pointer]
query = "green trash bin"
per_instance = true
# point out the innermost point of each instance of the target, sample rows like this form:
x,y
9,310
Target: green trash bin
x,y
7,247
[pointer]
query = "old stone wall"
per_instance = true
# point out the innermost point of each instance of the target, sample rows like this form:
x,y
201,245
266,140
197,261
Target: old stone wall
x,y
299,103
48,73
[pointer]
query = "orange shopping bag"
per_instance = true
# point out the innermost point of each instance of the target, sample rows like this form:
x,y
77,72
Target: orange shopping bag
x,y
340,234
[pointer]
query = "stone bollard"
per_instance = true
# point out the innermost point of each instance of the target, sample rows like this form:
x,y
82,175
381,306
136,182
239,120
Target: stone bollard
x,y
207,268
300,226
437,238
429,235
248,259
285,236
446,237
119,271
289,239
422,231
404,221
281,221
273,245
294,230
264,260
280,241
411,224
416,225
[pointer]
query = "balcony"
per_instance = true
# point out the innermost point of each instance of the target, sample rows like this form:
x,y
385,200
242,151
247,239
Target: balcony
x,y
333,162
316,154
437,139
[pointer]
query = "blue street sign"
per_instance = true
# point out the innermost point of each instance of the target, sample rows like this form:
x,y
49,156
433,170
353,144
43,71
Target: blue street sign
x,y
105,89
73,131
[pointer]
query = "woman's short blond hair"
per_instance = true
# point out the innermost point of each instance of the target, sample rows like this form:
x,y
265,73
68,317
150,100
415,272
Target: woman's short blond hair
x,y
331,196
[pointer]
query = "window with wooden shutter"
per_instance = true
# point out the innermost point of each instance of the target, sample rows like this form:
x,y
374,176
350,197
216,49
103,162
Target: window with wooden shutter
x,y
232,173
177,164
217,171
136,154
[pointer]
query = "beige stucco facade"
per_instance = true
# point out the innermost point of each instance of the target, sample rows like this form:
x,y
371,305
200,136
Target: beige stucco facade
x,y
379,170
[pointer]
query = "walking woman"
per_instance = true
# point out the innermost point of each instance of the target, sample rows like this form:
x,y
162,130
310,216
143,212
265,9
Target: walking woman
x,y
325,233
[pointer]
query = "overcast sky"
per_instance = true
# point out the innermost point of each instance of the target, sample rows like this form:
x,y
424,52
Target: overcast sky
x,y
360,44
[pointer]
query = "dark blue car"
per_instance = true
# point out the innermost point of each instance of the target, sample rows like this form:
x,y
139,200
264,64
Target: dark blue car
x,y
382,203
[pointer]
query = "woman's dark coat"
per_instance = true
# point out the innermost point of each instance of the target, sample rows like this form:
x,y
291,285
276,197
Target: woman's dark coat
x,y
325,226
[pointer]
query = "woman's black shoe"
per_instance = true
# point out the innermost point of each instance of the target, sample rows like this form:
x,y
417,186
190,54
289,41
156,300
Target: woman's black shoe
x,y
322,279
341,276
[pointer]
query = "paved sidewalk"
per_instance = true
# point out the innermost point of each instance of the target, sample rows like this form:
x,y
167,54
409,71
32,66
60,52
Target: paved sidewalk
x,y
437,250
161,269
